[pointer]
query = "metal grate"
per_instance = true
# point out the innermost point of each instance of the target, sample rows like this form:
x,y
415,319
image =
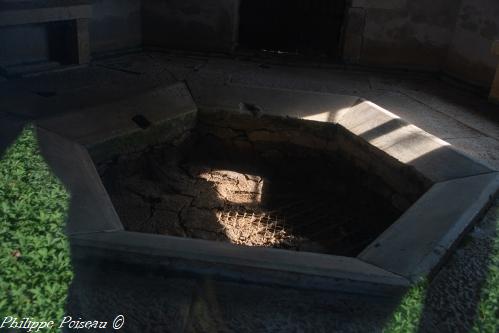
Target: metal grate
x,y
298,224
256,228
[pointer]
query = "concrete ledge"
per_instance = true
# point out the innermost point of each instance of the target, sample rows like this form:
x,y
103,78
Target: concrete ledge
x,y
90,208
416,244
281,102
43,15
100,126
258,265
433,158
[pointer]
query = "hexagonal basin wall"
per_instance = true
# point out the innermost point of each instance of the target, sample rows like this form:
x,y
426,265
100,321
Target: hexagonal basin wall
x,y
261,181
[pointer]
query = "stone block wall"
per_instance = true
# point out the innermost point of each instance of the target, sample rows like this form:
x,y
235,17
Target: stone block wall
x,y
201,25
469,57
115,25
450,36
399,33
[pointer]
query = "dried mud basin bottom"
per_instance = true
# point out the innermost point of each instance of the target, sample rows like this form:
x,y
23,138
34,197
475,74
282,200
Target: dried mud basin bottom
x,y
222,184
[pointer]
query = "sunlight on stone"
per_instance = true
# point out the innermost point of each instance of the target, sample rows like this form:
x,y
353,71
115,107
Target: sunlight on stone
x,y
235,187
328,116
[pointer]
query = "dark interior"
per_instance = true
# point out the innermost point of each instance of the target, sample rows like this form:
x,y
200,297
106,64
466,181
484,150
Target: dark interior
x,y
293,26
243,191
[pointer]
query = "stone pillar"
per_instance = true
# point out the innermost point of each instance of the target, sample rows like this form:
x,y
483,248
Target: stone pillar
x,y
494,92
354,35
356,20
82,41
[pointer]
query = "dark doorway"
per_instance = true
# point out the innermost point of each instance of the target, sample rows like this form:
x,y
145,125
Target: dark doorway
x,y
308,27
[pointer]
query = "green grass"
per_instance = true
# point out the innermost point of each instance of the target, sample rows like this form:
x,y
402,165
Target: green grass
x,y
406,317
35,267
488,310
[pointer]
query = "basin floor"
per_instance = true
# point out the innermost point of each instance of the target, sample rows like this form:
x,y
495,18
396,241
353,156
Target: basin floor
x,y
208,190
154,301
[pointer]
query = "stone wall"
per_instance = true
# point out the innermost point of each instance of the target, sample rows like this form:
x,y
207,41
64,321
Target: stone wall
x,y
400,33
28,33
470,57
202,25
26,42
453,36
115,25
400,184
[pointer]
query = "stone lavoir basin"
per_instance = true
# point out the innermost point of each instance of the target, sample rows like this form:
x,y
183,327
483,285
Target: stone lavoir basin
x,y
266,181
270,186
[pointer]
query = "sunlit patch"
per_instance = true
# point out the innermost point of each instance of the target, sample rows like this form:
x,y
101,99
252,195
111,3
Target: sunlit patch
x,y
328,116
235,187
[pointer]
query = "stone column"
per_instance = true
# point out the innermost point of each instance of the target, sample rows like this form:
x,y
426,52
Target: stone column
x,y
494,92
82,41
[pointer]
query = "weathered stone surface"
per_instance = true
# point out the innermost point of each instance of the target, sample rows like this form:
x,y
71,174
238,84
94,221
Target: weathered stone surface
x,y
110,129
291,103
82,41
17,16
191,24
417,242
352,49
90,208
104,122
432,157
260,265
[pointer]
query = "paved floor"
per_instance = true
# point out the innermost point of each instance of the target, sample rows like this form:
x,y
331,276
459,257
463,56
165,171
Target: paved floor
x,y
176,304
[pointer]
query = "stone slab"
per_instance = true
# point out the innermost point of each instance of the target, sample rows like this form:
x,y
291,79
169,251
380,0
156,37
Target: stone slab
x,y
482,148
21,69
302,77
435,159
416,244
96,125
281,102
43,15
90,209
412,111
250,264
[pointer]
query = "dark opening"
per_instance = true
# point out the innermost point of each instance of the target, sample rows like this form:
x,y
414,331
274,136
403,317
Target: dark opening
x,y
308,27
63,42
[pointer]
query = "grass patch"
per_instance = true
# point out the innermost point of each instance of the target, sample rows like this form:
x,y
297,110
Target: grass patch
x,y
406,317
488,310
35,266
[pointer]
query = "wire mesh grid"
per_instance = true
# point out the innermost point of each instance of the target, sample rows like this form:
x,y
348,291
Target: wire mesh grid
x,y
256,228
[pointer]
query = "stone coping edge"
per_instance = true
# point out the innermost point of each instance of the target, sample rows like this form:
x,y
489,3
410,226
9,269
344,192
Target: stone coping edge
x,y
256,265
419,241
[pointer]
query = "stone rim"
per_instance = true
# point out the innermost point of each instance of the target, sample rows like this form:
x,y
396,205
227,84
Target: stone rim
x,y
380,268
